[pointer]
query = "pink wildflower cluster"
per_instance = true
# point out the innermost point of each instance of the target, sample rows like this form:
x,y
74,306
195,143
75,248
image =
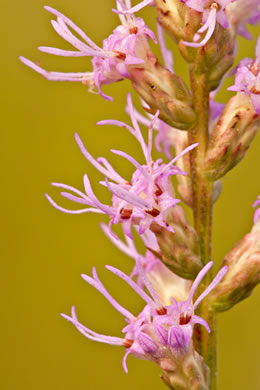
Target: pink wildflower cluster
x,y
144,203
142,200
159,331
124,48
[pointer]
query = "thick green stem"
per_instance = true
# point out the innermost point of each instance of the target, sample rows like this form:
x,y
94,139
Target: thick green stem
x,y
202,189
202,211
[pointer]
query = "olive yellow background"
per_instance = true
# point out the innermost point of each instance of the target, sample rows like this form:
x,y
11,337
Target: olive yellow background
x,y
44,251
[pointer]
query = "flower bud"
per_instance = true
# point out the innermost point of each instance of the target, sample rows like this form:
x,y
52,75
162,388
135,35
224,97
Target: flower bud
x,y
231,137
188,373
172,15
164,91
183,22
179,250
243,274
212,58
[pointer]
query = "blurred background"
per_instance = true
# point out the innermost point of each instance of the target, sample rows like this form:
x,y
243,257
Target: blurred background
x,y
45,251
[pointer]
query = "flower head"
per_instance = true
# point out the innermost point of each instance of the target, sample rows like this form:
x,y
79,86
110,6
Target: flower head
x,y
159,331
124,48
247,78
142,200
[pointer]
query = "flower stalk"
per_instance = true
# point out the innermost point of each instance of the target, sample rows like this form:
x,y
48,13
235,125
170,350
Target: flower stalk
x,y
202,209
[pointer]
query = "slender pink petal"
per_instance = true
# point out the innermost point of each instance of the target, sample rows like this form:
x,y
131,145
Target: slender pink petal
x,y
106,209
133,161
88,210
73,26
127,195
150,138
138,133
186,150
148,285
198,279
99,167
220,275
209,25
134,9
166,53
199,320
124,361
55,76
90,334
132,284
98,285
129,250
64,53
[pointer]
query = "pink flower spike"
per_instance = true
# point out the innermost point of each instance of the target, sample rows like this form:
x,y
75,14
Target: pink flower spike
x,y
143,199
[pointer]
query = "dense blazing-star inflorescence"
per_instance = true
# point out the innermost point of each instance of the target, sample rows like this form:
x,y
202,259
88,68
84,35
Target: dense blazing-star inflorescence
x,y
173,274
